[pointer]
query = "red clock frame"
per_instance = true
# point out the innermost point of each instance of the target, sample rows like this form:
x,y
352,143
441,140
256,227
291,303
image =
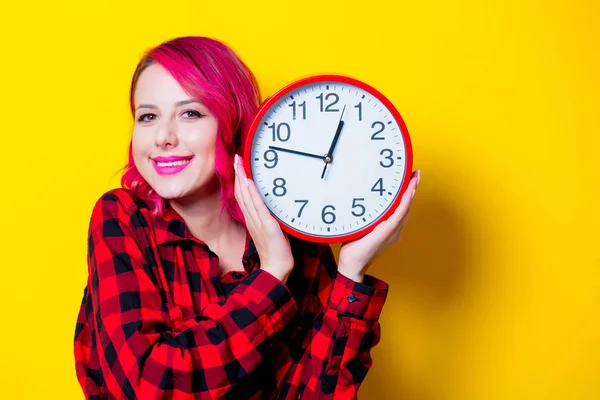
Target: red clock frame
x,y
266,105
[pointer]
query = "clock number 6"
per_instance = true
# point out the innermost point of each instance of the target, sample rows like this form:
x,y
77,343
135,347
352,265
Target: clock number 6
x,y
328,216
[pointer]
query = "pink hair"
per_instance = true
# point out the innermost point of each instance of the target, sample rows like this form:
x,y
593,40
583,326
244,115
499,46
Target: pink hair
x,y
211,72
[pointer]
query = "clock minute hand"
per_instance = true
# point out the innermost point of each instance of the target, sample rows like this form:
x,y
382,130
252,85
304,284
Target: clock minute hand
x,y
301,153
329,156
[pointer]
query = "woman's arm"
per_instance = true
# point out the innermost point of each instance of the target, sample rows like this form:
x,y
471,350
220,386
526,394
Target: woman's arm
x,y
343,334
348,328
141,354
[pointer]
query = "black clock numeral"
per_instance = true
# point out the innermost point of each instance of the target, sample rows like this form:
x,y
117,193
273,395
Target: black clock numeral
x,y
301,105
359,106
334,102
381,128
301,207
360,206
279,188
278,134
328,216
389,157
378,187
274,159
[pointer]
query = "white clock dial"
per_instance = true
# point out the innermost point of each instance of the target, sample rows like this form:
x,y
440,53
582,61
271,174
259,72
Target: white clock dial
x,y
328,197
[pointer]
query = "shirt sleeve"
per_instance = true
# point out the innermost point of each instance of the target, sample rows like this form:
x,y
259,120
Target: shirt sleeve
x,y
344,333
141,354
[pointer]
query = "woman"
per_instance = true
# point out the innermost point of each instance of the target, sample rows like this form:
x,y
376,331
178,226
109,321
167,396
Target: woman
x,y
193,289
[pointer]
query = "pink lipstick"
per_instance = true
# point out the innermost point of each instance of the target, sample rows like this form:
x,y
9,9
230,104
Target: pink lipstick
x,y
170,165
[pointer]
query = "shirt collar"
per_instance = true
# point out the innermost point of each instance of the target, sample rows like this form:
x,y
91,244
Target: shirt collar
x,y
170,227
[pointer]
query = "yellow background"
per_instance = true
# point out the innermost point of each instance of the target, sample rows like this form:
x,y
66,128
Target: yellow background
x,y
495,287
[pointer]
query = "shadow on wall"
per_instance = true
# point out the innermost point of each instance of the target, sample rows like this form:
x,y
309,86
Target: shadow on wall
x,y
428,266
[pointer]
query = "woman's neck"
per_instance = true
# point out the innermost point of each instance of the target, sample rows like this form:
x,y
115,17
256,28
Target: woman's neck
x,y
205,217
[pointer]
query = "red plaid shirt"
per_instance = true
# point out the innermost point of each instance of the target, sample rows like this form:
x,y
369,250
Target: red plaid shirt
x,y
157,321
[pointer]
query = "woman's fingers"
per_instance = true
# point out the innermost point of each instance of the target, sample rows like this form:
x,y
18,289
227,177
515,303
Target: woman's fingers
x,y
394,224
262,211
243,195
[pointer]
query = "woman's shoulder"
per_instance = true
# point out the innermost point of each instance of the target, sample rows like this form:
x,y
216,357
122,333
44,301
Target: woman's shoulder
x,y
120,205
125,197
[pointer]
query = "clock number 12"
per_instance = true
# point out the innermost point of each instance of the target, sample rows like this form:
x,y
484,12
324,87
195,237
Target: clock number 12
x,y
336,98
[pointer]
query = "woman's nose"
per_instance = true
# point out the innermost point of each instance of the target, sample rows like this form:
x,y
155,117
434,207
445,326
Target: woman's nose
x,y
166,135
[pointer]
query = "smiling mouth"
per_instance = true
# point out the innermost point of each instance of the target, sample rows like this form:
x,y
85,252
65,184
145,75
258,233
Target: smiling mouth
x,y
163,167
172,163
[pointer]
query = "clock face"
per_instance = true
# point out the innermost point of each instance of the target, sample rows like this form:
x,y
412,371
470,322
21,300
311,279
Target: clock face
x,y
330,157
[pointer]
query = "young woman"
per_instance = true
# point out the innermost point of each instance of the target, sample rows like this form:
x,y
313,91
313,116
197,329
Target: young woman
x,y
194,292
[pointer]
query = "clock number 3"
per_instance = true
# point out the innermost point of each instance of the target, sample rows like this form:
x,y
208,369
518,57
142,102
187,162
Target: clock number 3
x,y
389,157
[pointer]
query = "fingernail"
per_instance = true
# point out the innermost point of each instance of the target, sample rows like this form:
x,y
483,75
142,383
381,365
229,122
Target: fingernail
x,y
418,176
235,164
413,193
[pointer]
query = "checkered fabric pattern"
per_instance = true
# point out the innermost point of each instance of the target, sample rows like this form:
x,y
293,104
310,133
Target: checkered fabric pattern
x,y
158,322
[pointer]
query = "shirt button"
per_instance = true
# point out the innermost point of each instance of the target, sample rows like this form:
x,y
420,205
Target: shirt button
x,y
236,275
351,298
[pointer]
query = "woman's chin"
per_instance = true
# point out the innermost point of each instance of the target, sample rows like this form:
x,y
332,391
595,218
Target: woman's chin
x,y
171,192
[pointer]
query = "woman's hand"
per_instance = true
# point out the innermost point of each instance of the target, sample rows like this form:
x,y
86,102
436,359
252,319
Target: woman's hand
x,y
272,245
356,256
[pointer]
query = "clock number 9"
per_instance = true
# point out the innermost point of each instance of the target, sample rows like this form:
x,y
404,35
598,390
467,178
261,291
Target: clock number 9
x,y
279,190
277,132
328,216
381,128
334,102
273,159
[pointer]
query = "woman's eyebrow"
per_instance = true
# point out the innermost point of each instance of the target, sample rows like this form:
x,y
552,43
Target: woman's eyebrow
x,y
177,104
184,102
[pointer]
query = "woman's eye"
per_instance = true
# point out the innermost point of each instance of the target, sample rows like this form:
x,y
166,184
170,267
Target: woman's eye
x,y
192,114
146,117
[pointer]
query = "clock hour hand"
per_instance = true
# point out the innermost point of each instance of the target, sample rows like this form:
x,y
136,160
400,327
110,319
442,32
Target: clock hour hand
x,y
301,153
329,155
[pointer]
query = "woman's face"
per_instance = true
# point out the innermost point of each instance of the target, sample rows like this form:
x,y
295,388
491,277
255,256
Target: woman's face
x,y
174,136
